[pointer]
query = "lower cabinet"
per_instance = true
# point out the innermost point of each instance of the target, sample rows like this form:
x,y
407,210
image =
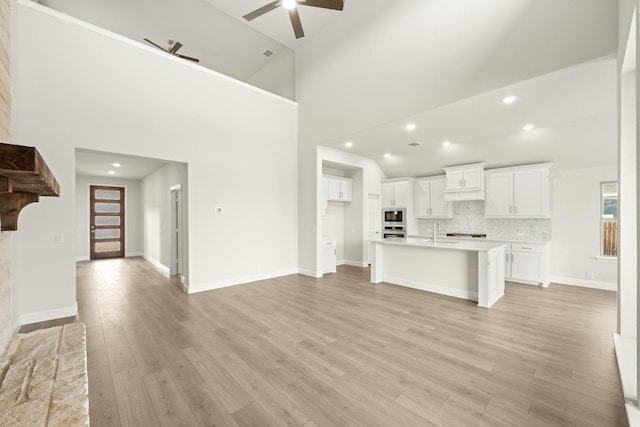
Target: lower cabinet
x,y
527,263
329,256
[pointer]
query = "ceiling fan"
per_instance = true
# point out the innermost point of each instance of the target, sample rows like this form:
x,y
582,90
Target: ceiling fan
x,y
173,49
290,5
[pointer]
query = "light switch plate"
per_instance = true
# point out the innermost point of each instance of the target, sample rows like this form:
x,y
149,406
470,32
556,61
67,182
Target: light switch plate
x,y
59,238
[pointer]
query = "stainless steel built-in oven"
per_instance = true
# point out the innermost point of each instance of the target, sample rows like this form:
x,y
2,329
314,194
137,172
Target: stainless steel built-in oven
x,y
394,217
394,232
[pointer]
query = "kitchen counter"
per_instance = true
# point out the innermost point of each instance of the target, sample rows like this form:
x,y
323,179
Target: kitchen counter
x,y
472,269
444,237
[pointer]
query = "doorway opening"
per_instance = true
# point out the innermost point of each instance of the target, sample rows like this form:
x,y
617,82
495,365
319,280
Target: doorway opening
x,y
175,267
106,236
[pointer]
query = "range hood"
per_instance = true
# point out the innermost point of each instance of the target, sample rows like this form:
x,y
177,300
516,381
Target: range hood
x,y
464,182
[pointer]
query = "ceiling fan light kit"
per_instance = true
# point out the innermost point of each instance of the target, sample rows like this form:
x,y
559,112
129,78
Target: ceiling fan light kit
x,y
290,5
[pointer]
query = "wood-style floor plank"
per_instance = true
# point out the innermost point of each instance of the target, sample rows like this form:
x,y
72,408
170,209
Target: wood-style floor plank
x,y
339,351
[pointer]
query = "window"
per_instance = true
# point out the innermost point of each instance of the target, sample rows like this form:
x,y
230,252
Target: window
x,y
609,219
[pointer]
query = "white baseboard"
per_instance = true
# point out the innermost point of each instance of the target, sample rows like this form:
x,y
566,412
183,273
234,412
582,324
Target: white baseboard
x,y
593,284
626,349
444,290
157,264
310,273
201,287
353,263
43,316
130,254
82,258
16,326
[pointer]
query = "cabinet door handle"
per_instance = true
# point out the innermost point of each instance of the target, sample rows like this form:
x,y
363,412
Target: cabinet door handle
x,y
510,209
515,209
526,248
460,183
511,257
464,182
507,256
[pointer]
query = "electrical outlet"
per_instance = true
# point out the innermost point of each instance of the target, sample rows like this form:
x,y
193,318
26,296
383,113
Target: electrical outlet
x,y
59,238
590,275
219,210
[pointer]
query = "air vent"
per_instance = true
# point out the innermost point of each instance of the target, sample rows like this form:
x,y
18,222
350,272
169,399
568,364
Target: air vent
x,y
414,144
267,53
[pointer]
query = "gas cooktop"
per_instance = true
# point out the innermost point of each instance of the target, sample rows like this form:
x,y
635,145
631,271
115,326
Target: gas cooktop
x,y
467,235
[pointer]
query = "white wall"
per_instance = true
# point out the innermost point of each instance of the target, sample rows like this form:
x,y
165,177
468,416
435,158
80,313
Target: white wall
x,y
156,214
575,227
106,93
132,214
278,76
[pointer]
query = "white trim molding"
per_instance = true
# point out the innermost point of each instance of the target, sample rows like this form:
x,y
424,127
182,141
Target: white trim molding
x,y
160,266
310,273
131,254
43,316
443,290
202,287
82,258
353,263
593,284
609,259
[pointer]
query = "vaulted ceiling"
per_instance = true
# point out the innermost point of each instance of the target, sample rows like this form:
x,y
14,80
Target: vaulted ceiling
x,y
363,73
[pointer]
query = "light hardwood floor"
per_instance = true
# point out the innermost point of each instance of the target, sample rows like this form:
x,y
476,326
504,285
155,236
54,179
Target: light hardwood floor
x,y
340,351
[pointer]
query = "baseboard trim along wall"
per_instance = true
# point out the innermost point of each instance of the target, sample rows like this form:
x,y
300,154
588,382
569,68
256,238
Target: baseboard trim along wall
x,y
82,258
130,254
353,263
202,287
43,316
457,293
310,273
605,286
160,266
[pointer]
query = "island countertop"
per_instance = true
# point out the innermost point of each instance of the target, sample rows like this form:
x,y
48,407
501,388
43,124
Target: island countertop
x,y
454,244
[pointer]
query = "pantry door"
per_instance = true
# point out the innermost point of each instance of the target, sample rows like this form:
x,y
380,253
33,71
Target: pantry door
x,y
107,222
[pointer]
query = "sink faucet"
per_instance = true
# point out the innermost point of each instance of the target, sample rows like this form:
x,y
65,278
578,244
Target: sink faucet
x,y
436,228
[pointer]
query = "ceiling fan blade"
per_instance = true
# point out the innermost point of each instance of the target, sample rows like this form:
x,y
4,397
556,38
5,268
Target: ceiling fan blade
x,y
187,57
158,46
261,11
297,25
176,46
325,4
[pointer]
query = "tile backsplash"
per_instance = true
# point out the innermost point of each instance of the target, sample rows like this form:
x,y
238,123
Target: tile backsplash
x,y
468,217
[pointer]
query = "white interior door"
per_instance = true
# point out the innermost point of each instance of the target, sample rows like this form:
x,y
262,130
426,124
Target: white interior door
x,y
374,222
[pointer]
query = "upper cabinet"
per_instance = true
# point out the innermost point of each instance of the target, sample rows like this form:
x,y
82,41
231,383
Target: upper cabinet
x,y
428,196
339,189
394,194
465,182
518,192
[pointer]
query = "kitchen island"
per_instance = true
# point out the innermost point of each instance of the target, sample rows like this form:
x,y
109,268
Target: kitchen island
x,y
468,269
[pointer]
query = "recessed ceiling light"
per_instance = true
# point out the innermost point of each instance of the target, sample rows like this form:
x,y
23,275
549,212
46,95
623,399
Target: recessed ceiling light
x,y
289,4
508,100
348,144
446,143
111,172
410,127
387,155
116,165
414,144
528,127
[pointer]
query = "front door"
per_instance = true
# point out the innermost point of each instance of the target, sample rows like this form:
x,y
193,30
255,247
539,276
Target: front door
x,y
107,222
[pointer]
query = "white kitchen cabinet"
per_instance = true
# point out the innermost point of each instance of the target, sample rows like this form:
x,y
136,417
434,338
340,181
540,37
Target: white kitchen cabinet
x,y
394,194
428,197
518,192
329,256
339,189
464,182
527,263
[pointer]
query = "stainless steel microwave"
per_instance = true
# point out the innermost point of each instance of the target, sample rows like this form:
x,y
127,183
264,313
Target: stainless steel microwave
x,y
394,216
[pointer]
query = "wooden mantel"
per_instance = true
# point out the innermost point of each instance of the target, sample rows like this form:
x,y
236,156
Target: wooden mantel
x,y
24,177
